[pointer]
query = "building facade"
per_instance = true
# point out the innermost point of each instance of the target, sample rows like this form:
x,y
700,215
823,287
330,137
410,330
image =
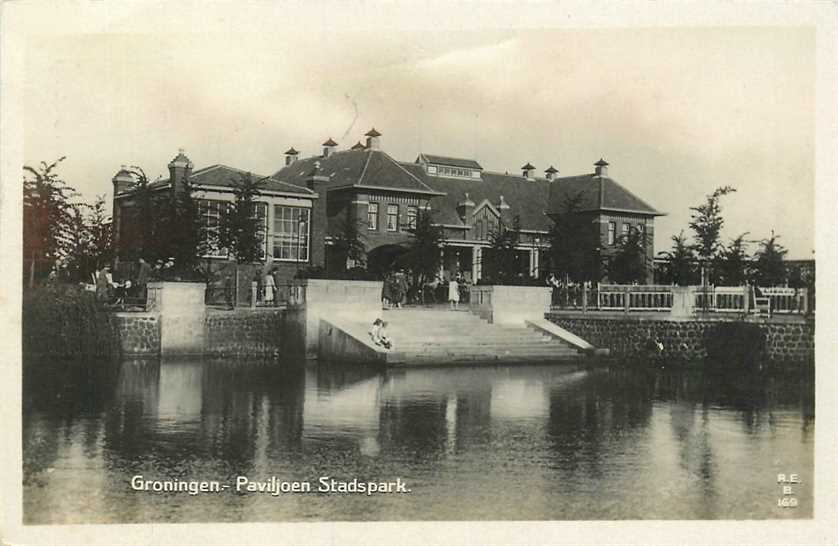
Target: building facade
x,y
308,202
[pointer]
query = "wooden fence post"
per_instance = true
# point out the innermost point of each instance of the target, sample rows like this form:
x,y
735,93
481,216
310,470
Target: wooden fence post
x,y
626,299
584,297
747,295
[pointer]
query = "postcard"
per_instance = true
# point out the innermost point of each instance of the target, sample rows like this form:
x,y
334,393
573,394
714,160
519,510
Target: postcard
x,y
363,272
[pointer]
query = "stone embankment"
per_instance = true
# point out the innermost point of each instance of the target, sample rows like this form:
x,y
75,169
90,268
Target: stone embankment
x,y
787,339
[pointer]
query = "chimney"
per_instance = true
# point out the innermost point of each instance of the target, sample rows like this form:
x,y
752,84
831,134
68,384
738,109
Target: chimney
x,y
358,146
465,208
551,172
179,170
373,140
122,180
329,147
528,170
291,156
601,168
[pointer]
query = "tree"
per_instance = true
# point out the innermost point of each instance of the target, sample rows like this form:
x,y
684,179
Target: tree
x,y
89,241
47,218
242,226
769,269
680,261
573,242
423,250
348,246
706,223
732,263
181,233
100,231
629,263
501,264
143,231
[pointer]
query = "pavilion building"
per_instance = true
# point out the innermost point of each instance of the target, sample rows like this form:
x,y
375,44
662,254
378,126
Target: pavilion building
x,y
308,202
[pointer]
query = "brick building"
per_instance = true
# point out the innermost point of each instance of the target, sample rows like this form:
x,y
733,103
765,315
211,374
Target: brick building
x,y
308,201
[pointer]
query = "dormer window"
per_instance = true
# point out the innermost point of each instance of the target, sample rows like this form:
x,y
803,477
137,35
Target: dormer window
x,y
450,167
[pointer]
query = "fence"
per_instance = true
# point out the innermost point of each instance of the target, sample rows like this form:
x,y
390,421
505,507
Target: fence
x,y
659,298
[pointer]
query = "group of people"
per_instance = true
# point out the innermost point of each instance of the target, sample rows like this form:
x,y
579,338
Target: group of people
x,y
394,289
565,293
111,291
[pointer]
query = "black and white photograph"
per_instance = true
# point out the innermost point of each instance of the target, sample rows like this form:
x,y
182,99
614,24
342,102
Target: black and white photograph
x,y
456,273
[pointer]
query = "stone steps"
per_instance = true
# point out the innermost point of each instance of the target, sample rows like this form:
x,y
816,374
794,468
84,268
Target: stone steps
x,y
428,337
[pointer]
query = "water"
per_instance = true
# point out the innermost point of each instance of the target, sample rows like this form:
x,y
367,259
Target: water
x,y
512,443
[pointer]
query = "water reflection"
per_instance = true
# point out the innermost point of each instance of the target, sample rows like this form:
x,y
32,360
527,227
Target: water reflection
x,y
542,442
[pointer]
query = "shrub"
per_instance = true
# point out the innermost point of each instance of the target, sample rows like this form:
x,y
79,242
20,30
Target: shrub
x,y
64,321
735,345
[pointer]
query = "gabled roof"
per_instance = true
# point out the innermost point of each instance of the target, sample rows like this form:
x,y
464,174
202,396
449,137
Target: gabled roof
x,y
449,161
370,169
372,133
596,193
223,176
527,198
551,169
330,142
291,151
527,167
358,146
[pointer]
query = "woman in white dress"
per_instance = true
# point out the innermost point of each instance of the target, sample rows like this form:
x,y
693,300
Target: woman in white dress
x,y
270,285
453,292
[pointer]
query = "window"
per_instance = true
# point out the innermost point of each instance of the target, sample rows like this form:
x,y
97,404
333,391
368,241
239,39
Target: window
x,y
291,233
612,232
456,171
625,228
372,217
412,213
210,211
486,224
392,217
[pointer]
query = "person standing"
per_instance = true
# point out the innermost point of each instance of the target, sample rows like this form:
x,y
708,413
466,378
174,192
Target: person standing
x,y
269,286
453,292
141,281
277,284
401,280
230,287
386,290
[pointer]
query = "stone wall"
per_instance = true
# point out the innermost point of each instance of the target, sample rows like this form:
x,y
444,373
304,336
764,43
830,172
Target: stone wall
x,y
139,333
785,341
243,332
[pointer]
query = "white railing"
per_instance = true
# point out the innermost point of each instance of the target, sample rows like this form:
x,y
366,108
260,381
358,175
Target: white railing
x,y
786,300
634,297
723,299
714,299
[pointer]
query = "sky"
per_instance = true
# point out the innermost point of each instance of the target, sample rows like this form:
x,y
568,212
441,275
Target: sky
x,y
676,111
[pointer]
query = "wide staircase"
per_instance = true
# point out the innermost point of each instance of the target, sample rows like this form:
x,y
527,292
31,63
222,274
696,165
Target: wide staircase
x,y
437,336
